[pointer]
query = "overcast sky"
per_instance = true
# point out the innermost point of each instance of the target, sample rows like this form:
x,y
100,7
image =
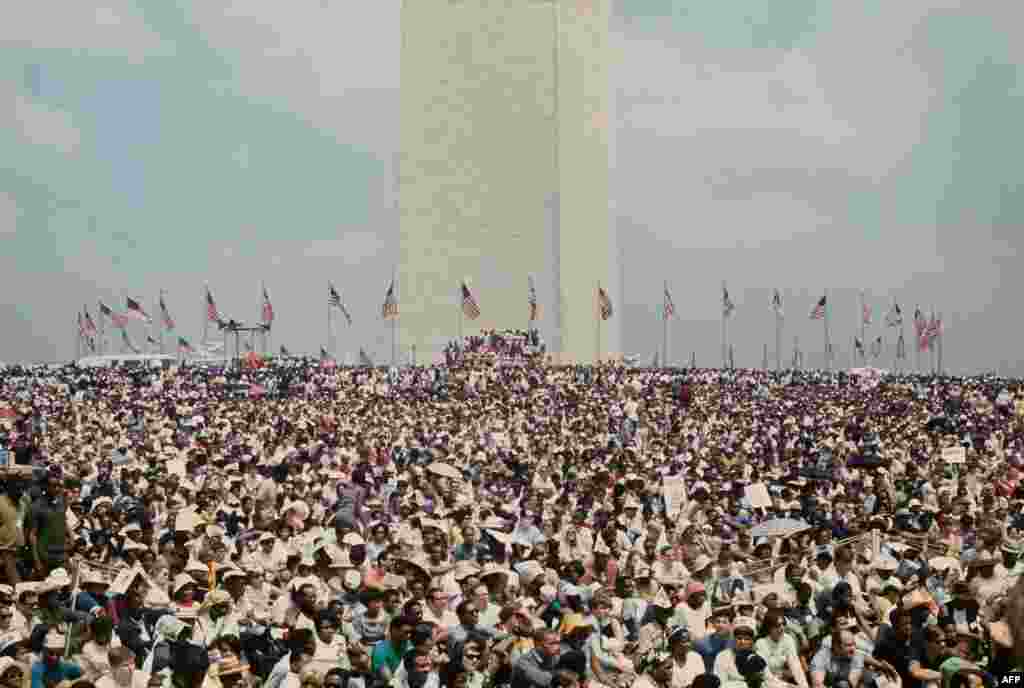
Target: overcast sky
x,y
147,144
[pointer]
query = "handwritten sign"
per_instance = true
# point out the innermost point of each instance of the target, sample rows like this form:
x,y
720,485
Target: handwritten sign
x,y
954,455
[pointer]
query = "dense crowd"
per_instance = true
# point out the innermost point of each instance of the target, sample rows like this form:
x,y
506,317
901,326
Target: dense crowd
x,y
475,524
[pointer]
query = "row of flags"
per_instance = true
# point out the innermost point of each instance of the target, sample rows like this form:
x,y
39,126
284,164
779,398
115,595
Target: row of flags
x,y
927,330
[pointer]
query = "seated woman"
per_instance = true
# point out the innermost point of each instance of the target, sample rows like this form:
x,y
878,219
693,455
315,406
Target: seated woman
x,y
779,650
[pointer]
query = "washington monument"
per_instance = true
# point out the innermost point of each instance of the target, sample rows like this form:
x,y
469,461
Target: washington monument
x,y
503,171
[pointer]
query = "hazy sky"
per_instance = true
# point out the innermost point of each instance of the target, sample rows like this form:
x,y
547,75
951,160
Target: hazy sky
x,y
148,144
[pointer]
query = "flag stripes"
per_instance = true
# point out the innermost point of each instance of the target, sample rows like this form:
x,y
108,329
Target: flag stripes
x,y
820,308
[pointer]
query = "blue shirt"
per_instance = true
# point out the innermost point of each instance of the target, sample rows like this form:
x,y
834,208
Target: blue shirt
x,y
709,646
43,675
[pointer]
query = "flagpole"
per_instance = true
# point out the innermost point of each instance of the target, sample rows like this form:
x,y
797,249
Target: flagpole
x,y
529,309
458,305
160,329
103,331
206,312
896,354
664,326
931,347
938,343
725,329
863,329
78,340
332,346
778,339
764,358
828,347
394,329
597,298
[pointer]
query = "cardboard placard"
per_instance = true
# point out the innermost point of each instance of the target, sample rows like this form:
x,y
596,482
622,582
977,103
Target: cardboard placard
x,y
954,455
758,496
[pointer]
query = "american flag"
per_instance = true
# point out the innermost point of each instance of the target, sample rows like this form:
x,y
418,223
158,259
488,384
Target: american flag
x,y
604,303
184,346
894,318
532,298
818,312
116,318
212,314
670,308
133,309
469,305
284,351
390,307
865,310
90,326
727,305
268,310
334,300
777,303
165,315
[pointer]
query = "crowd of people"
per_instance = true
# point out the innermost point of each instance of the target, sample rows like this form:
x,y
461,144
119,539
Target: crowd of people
x,y
508,347
481,525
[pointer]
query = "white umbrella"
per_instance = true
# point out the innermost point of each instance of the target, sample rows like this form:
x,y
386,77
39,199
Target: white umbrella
x,y
445,470
778,527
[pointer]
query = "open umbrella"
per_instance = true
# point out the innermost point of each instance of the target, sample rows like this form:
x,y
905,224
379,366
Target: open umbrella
x,y
778,527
